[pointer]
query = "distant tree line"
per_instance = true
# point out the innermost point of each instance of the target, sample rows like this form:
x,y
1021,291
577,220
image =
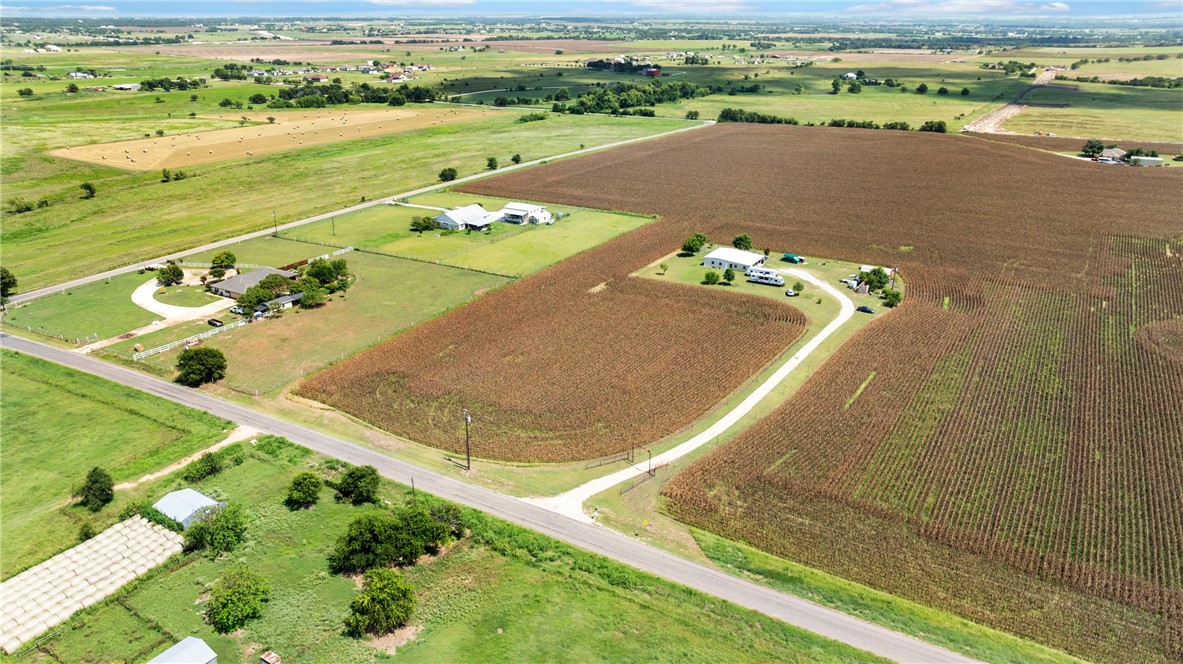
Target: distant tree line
x,y
168,84
617,98
740,115
318,96
1144,82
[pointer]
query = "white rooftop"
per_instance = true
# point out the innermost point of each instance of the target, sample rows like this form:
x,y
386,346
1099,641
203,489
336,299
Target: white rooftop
x,y
737,256
190,650
182,504
520,208
469,214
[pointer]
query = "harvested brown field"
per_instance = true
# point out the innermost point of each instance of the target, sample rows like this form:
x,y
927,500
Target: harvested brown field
x,y
1065,144
291,130
1018,455
560,367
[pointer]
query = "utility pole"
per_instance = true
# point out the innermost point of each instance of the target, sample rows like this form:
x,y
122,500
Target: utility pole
x,y
467,449
334,220
274,223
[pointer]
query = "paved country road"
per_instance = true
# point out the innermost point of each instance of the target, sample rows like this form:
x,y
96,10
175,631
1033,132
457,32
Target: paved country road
x,y
795,611
74,283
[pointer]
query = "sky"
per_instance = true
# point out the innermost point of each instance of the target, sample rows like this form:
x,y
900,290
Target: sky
x,y
852,9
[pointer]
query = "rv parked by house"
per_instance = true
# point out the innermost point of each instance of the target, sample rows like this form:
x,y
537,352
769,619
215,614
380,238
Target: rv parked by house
x,y
765,275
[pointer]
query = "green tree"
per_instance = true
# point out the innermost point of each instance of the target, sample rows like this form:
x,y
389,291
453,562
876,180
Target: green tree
x,y
304,490
206,465
798,287
694,243
491,163
170,275
224,259
517,159
448,174
422,224
710,278
942,90
1092,148
729,276
25,92
270,119
384,604
742,241
258,98
254,296
383,538
72,88
891,298
938,126
664,267
692,115
322,271
217,272
236,598
7,282
876,279
922,88
835,86
340,267
192,97
358,485
855,87
196,366
964,92
226,102
276,284
217,531
312,297
97,490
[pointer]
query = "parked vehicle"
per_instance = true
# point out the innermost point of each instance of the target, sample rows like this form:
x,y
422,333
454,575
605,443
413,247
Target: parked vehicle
x,y
850,283
214,322
793,258
865,309
791,293
1107,160
237,309
764,275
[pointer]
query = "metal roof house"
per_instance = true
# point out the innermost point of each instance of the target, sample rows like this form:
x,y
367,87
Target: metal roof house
x,y
1113,153
470,216
190,650
185,505
525,213
235,286
736,259
283,302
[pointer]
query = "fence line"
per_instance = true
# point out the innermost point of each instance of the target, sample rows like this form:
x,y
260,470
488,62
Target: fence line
x,y
613,458
249,266
187,340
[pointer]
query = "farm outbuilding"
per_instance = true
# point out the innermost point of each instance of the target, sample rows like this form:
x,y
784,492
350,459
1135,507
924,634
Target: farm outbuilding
x,y
1145,161
736,259
189,650
1113,153
185,505
470,216
525,213
235,286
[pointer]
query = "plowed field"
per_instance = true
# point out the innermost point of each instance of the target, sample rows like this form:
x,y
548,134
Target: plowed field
x,y
1018,454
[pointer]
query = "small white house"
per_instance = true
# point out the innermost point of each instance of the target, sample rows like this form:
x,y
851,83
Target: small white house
x,y
78,75
736,259
189,650
525,213
470,216
185,506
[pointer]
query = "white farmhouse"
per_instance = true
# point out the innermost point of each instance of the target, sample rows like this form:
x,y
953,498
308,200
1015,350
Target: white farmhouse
x,y
736,259
525,213
470,216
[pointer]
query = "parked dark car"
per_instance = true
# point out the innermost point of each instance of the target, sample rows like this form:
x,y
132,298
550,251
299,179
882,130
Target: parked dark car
x,y
865,309
214,322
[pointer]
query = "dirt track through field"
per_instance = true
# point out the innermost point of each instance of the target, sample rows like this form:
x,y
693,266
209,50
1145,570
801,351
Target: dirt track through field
x,y
290,130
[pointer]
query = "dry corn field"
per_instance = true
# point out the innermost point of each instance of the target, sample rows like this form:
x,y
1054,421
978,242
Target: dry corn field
x,y
1016,452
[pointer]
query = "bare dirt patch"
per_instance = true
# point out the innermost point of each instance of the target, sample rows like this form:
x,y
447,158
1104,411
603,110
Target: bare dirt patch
x,y
1164,338
399,637
292,129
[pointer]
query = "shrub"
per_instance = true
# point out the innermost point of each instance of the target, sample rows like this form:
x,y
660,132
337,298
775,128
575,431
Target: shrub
x,y
358,485
217,531
491,163
97,490
170,275
743,242
18,205
692,115
934,125
531,117
381,539
206,465
711,278
304,490
891,298
235,599
86,531
25,92
448,174
200,365
384,604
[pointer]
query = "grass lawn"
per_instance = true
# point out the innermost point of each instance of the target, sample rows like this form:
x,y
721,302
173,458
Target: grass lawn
x,y
507,249
390,295
43,247
185,296
266,250
502,579
103,308
58,424
1098,110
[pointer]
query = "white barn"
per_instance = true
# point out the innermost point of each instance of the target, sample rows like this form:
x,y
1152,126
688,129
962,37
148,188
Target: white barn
x,y
470,216
185,506
736,259
525,213
189,650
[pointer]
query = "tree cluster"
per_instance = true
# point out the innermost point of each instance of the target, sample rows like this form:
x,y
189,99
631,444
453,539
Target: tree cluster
x,y
382,538
217,531
358,485
740,115
694,244
384,604
616,98
196,366
97,490
236,598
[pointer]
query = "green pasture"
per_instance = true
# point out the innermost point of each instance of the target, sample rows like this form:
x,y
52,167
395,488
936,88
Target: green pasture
x,y
266,250
508,249
390,295
60,423
103,308
185,296
1100,110
491,595
229,198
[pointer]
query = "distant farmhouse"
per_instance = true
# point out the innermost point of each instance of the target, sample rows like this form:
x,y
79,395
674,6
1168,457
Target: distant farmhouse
x,y
736,259
235,286
525,213
463,218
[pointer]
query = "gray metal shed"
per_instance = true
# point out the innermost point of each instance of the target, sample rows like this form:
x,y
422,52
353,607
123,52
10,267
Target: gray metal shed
x,y
185,505
190,650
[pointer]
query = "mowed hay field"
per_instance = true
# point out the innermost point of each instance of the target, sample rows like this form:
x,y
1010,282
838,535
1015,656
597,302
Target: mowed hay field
x,y
291,130
1016,453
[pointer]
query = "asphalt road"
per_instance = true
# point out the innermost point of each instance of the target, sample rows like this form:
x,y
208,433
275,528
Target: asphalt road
x,y
795,611
74,283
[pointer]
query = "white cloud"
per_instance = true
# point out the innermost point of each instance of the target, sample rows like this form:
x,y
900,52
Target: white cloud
x,y
960,7
423,3
81,8
688,6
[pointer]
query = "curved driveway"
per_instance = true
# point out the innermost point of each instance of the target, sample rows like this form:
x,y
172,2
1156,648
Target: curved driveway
x,y
793,610
570,503
145,297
